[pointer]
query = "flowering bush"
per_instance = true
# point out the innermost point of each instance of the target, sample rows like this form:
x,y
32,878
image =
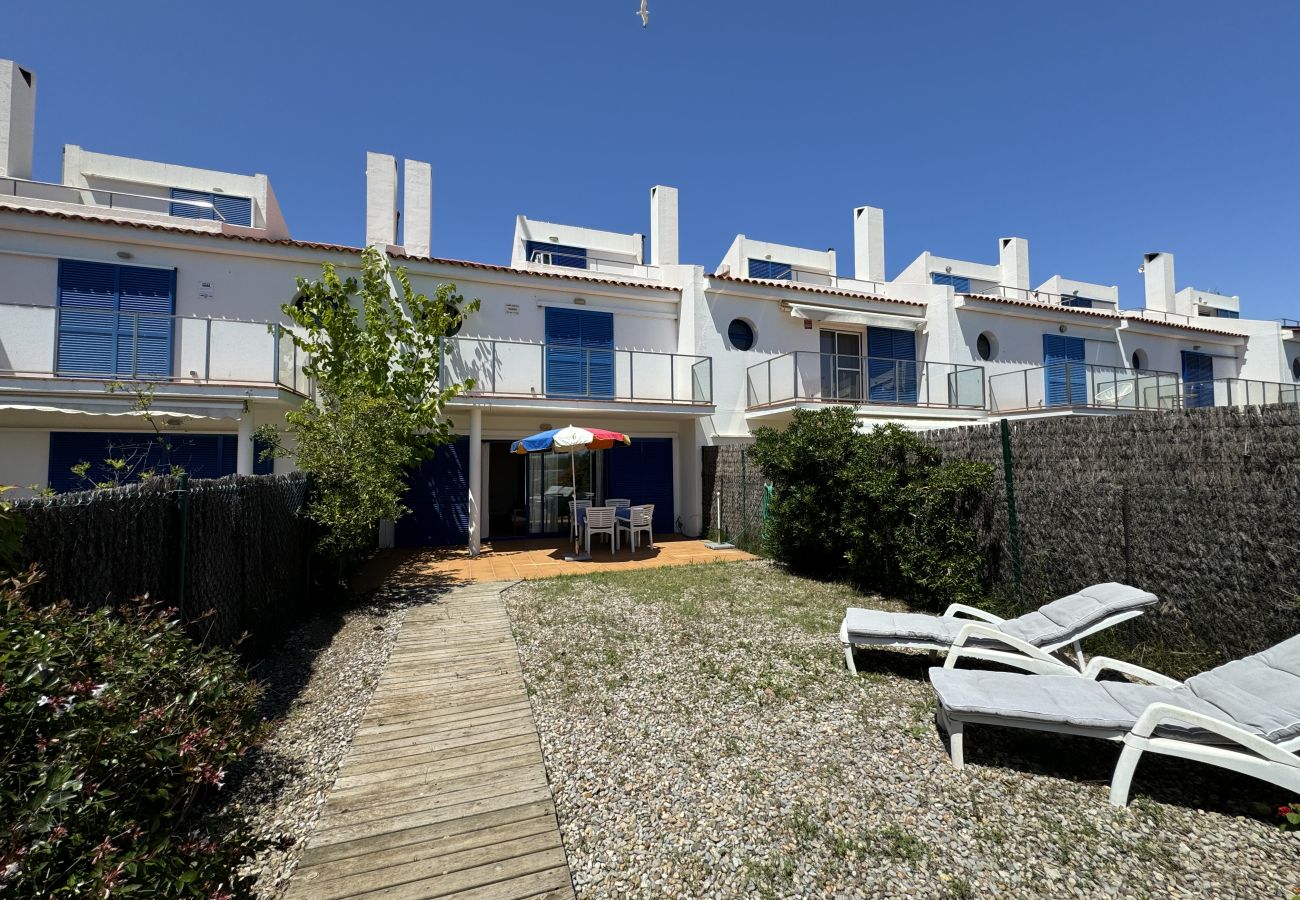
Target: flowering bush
x,y
116,734
1290,817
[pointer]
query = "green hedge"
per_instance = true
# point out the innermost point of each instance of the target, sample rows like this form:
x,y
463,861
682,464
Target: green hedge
x,y
116,733
877,508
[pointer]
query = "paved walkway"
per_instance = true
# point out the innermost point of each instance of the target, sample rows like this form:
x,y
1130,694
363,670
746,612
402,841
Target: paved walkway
x,y
511,560
443,792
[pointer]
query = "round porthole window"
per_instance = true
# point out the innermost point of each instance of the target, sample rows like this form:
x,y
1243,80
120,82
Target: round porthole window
x,y
455,326
1139,360
1295,369
740,334
986,345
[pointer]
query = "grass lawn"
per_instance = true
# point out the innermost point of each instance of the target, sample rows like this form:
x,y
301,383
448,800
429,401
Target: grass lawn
x,y
704,739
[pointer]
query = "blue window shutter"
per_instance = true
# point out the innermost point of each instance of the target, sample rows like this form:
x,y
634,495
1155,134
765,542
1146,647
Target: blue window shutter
x,y
891,365
187,210
235,210
1066,379
200,455
87,318
766,268
1198,379
959,283
438,499
579,353
560,254
598,345
643,472
261,466
144,331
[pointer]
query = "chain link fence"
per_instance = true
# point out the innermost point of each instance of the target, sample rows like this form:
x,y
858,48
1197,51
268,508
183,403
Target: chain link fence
x,y
232,554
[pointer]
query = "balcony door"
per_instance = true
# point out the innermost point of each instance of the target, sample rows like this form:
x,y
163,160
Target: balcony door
x,y
579,353
841,361
1198,379
891,365
1064,373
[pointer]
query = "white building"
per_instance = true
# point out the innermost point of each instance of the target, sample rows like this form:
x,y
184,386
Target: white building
x,y
174,276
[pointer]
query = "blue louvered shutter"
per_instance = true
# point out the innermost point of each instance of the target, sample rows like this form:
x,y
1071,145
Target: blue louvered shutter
x,y
1198,379
766,268
598,346
200,455
87,318
437,498
959,283
1065,378
643,472
191,210
144,330
891,365
566,374
558,254
234,210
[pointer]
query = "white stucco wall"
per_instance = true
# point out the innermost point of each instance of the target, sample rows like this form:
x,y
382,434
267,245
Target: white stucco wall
x,y
24,460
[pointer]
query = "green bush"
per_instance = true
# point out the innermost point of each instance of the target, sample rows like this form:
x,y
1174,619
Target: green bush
x,y
879,508
116,734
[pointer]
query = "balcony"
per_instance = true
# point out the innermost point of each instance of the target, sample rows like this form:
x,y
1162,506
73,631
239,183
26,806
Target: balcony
x,y
1239,392
563,260
1077,385
811,377
119,201
82,347
551,372
1046,298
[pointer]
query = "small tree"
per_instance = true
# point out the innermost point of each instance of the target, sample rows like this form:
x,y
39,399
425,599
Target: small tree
x,y
372,349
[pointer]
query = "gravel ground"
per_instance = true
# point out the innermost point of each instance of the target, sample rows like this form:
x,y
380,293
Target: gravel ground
x,y
317,685
704,740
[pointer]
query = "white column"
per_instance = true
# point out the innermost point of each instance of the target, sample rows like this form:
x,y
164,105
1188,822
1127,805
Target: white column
x,y
475,478
244,444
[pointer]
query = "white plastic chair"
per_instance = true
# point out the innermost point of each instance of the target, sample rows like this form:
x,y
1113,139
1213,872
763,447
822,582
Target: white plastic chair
x,y
574,506
600,520
640,519
618,503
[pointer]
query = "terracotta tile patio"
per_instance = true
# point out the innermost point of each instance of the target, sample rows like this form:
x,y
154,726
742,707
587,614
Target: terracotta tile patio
x,y
511,560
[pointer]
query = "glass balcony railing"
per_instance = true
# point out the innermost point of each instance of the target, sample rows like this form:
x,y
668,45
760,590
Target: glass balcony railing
x,y
1076,385
811,377
103,344
1239,392
515,369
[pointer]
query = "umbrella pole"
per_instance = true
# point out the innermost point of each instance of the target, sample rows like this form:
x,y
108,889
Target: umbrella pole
x,y
573,476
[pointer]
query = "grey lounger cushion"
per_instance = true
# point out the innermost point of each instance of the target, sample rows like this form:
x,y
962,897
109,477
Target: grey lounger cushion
x,y
1260,694
1052,624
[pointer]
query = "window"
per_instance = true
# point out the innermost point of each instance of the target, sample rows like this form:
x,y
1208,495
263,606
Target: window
x,y
1295,369
115,320
1139,360
579,352
1077,302
1227,314
986,346
1198,379
959,283
766,268
234,210
740,334
841,365
891,365
556,254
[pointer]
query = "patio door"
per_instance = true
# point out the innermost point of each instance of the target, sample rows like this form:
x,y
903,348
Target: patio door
x,y
841,358
1198,378
551,485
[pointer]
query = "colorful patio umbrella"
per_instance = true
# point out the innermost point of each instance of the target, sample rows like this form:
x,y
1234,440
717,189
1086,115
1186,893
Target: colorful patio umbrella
x,y
570,440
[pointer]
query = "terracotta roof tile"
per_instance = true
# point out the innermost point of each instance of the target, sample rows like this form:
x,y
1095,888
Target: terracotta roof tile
x,y
1104,313
316,245
814,289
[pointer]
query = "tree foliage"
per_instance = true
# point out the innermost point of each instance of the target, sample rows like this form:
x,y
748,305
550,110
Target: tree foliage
x,y
372,350
879,508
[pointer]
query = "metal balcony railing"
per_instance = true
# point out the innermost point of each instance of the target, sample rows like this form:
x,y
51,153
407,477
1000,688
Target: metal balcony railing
x,y
90,196
1027,295
810,277
101,344
1078,385
601,265
516,369
1239,392
805,376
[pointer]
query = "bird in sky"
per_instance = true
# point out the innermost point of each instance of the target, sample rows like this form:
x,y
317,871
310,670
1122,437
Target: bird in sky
x,y
644,13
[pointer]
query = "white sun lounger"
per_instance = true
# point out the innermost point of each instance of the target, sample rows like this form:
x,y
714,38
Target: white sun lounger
x,y
1243,716
1026,642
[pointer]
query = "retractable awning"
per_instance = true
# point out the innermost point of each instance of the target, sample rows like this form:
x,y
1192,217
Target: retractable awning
x,y
843,315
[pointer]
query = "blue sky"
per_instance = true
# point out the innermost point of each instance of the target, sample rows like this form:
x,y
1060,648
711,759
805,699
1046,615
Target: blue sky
x,y
1097,130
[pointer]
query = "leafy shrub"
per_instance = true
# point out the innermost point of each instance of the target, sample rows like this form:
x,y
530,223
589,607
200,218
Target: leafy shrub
x,y
116,732
11,534
1290,817
879,508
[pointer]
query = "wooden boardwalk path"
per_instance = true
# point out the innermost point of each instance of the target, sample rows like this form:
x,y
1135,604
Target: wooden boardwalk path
x,y
443,792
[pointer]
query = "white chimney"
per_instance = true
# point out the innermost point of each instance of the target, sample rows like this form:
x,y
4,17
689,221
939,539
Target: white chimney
x,y
417,207
663,226
1158,276
1013,259
869,243
17,119
381,200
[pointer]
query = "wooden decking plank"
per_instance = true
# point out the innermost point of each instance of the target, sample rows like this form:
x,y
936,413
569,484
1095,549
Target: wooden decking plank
x,y
443,791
